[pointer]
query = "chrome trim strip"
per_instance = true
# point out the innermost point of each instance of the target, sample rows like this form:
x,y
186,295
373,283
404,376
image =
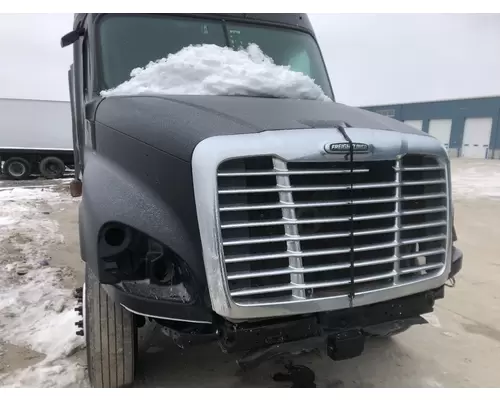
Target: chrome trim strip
x,y
343,250
288,172
319,236
310,188
425,267
357,186
422,239
420,183
240,242
330,220
423,254
331,203
421,226
284,288
170,319
313,253
408,169
318,268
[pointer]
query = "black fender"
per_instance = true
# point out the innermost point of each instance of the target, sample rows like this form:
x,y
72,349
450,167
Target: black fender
x,y
113,194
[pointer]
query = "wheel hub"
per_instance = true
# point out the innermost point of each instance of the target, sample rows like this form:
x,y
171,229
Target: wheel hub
x,y
53,167
17,169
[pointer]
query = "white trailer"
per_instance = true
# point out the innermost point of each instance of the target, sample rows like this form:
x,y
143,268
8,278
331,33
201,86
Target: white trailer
x,y
35,138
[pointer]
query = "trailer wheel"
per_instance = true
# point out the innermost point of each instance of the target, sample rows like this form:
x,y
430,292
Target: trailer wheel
x,y
110,335
17,168
52,168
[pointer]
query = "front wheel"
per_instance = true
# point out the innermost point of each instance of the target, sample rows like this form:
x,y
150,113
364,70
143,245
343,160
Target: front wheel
x,y
111,336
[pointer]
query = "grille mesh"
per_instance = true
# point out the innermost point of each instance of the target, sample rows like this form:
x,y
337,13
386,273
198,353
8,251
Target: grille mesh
x,y
287,229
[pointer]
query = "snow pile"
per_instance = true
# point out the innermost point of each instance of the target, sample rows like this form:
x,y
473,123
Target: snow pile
x,y
19,195
471,178
36,311
219,71
64,373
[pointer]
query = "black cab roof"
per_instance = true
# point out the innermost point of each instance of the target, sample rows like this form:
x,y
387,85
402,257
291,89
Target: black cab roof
x,y
300,21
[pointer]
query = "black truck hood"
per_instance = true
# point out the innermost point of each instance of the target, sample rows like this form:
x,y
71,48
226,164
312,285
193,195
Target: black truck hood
x,y
176,124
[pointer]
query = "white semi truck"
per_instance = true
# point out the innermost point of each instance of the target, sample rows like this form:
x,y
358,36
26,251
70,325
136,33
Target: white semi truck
x,y
35,138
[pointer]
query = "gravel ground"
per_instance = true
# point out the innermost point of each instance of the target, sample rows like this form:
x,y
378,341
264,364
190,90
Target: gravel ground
x,y
459,347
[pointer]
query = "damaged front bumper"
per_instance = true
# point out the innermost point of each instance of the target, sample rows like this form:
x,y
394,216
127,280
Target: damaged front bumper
x,y
254,335
344,330
155,307
198,313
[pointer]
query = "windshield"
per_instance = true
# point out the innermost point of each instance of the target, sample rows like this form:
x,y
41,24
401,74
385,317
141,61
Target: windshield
x,y
131,41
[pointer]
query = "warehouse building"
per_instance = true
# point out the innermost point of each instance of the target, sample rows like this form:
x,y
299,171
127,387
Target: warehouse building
x,y
467,127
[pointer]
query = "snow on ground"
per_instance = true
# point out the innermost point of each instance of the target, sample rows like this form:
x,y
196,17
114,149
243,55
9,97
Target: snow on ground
x,y
213,70
475,178
36,311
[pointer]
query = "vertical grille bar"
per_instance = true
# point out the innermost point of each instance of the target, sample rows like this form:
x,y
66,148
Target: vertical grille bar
x,y
291,230
397,209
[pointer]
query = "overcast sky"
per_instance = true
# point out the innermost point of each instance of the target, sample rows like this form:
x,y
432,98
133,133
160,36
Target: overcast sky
x,y
371,58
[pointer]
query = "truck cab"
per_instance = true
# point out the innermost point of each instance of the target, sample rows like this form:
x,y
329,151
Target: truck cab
x,y
252,221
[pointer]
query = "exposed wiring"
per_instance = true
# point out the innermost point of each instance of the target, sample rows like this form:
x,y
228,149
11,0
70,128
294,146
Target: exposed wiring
x,y
451,283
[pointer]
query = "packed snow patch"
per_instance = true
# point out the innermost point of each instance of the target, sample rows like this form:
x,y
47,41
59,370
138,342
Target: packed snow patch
x,y
21,194
62,373
220,71
36,311
475,178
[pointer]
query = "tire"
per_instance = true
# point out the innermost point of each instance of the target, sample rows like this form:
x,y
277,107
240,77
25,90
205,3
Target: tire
x,y
111,337
52,168
17,168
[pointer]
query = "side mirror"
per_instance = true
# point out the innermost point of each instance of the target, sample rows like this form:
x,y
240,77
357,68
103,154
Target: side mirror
x,y
72,37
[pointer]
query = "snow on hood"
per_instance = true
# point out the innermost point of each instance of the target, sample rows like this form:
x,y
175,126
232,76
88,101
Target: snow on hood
x,y
219,71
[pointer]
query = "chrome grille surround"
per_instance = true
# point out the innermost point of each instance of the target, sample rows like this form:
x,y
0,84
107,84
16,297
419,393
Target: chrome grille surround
x,y
295,291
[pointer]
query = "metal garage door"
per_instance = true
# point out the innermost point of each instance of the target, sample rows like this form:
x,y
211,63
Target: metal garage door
x,y
441,130
477,132
416,123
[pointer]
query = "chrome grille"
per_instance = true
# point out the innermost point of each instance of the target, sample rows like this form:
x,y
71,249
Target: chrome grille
x,y
287,228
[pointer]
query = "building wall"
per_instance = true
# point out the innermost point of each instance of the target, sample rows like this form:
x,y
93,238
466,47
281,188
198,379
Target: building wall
x,y
457,111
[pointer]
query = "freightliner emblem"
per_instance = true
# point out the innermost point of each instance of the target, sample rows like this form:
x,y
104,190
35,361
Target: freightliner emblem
x,y
342,148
